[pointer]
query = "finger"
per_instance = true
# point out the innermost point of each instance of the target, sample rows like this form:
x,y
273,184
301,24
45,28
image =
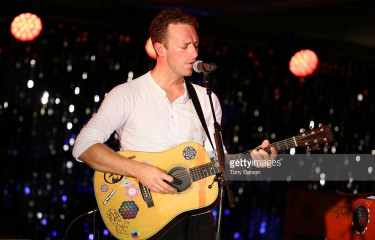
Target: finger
x,y
265,144
159,188
167,178
255,155
263,154
166,188
273,153
259,162
156,188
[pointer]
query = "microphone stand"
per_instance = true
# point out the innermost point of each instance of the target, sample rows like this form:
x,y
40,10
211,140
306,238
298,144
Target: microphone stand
x,y
220,177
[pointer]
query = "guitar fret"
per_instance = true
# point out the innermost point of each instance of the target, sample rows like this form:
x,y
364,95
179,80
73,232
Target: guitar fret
x,y
295,142
206,171
192,173
211,170
201,172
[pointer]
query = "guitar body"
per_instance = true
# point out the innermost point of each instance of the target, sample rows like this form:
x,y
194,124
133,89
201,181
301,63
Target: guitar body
x,y
131,211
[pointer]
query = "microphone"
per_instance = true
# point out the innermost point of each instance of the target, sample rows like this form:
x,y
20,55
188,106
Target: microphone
x,y
200,66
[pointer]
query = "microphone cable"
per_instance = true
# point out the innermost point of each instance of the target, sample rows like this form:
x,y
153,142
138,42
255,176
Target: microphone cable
x,y
84,214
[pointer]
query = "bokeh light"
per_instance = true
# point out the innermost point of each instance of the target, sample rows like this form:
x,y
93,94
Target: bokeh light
x,y
150,49
26,27
303,63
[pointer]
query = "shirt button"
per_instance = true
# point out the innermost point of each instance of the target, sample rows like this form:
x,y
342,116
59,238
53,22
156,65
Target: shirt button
x,y
171,116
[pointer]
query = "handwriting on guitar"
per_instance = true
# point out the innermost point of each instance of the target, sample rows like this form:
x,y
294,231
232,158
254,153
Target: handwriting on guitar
x,y
116,219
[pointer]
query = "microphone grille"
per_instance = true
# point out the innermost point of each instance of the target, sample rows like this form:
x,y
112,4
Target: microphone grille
x,y
195,66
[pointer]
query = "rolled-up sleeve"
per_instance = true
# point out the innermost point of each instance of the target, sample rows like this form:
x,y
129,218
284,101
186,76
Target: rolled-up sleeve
x,y
108,119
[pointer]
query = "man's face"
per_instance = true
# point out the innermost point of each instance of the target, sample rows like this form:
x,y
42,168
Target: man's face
x,y
182,48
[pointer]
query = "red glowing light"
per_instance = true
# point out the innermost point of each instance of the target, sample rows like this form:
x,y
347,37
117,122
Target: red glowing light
x,y
26,27
150,49
303,63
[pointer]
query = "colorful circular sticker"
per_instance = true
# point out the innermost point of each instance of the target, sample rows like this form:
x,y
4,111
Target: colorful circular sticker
x,y
104,188
135,234
132,191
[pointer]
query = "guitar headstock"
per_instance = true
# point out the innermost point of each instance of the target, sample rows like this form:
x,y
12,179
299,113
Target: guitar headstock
x,y
315,137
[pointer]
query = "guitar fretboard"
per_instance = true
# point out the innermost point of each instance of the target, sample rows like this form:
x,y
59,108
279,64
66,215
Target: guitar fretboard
x,y
284,144
204,171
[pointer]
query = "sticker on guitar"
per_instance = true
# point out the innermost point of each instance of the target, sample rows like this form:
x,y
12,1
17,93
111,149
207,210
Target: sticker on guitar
x,y
128,210
189,153
126,182
114,217
112,178
132,191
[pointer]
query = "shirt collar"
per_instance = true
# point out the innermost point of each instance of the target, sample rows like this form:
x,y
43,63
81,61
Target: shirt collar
x,y
182,99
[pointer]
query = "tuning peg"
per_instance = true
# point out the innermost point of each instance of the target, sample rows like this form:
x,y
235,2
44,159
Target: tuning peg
x,y
317,147
327,146
302,130
308,149
320,125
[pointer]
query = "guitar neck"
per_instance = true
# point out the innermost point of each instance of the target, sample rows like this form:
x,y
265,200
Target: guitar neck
x,y
284,144
213,168
204,170
316,136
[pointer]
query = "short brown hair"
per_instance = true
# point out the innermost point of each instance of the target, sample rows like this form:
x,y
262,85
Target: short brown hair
x,y
159,26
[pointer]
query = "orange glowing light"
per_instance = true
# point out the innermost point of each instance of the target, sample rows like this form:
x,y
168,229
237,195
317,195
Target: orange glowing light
x,y
26,27
303,63
150,49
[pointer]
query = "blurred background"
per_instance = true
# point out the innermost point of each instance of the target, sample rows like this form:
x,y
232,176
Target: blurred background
x,y
50,86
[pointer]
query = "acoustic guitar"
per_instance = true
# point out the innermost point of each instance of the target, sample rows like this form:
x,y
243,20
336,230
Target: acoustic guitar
x,y
131,211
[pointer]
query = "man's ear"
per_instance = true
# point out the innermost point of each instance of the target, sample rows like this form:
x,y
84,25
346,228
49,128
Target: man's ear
x,y
159,49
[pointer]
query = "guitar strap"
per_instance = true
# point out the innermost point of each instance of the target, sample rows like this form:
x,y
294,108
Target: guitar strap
x,y
198,108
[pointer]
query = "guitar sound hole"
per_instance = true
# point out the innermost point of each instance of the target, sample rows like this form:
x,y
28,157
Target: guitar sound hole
x,y
181,178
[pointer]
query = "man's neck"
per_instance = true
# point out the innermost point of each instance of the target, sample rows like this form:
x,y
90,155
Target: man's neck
x,y
165,78
172,85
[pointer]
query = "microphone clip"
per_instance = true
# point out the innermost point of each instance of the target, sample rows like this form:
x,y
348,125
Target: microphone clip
x,y
205,68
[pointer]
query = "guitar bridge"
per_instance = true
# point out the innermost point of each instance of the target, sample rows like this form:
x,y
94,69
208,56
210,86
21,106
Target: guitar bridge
x,y
146,194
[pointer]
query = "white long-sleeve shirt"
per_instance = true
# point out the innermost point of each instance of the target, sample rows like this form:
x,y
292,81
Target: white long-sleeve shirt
x,y
144,119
